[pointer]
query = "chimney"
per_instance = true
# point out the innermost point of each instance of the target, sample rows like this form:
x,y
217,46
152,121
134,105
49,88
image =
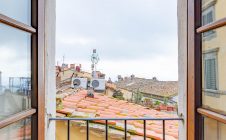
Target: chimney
x,y
78,69
132,76
119,77
65,66
154,79
72,66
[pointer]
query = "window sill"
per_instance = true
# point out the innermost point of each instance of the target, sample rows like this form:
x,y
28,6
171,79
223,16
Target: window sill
x,y
210,36
213,115
16,117
214,93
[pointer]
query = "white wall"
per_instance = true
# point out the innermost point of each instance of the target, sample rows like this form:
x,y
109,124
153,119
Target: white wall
x,y
182,37
50,81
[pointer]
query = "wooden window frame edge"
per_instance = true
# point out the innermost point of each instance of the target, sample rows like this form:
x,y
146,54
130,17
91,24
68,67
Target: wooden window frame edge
x,y
41,69
16,24
213,115
16,117
211,26
38,69
194,56
37,29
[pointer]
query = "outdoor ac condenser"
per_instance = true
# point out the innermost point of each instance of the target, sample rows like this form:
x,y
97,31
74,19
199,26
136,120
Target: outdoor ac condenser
x,y
98,84
79,83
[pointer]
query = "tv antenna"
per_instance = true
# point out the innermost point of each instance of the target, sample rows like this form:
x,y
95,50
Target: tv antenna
x,y
94,59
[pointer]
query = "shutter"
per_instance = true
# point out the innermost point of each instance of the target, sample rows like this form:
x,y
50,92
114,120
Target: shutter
x,y
204,20
210,76
209,17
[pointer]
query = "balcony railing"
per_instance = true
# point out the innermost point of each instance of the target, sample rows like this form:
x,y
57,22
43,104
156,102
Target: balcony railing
x,y
112,119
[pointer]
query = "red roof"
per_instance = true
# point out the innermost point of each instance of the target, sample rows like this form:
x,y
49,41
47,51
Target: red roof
x,y
105,107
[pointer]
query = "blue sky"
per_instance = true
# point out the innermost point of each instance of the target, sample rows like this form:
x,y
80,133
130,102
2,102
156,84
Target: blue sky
x,y
131,36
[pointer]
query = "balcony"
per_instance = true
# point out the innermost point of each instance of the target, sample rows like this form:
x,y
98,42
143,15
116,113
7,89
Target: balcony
x,y
104,117
127,131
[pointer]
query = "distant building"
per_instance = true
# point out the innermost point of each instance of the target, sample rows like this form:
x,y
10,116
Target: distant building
x,y
149,87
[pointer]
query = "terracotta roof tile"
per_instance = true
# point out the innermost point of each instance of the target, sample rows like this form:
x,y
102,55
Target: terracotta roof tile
x,y
105,107
149,86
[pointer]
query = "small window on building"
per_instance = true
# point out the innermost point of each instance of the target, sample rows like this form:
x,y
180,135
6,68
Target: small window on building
x,y
210,69
207,18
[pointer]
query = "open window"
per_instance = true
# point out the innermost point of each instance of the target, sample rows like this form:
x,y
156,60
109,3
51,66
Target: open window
x,y
206,70
21,69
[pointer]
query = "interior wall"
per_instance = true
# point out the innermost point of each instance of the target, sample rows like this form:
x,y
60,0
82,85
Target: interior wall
x,y
182,62
50,78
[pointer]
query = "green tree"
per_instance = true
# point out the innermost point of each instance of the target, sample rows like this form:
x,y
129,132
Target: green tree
x,y
157,103
138,96
118,94
166,100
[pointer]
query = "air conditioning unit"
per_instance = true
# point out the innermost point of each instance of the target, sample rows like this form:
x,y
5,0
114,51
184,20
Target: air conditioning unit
x,y
98,84
79,83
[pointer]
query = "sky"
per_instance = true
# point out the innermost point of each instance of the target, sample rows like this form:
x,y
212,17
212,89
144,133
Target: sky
x,y
131,36
15,44
15,53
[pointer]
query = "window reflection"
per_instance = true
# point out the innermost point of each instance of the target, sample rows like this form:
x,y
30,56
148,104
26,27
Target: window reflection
x,y
214,72
15,71
214,130
18,131
17,9
208,16
213,10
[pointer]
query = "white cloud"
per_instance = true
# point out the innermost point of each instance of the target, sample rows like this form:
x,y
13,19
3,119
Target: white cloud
x,y
13,64
76,40
162,68
7,54
131,36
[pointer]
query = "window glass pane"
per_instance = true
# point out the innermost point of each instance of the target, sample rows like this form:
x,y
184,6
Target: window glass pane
x,y
18,131
214,130
15,70
213,10
17,9
214,71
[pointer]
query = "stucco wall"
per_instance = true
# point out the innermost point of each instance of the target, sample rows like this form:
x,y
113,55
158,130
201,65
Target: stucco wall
x,y
127,95
109,92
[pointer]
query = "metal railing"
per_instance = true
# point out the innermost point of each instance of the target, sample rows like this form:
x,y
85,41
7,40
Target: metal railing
x,y
114,119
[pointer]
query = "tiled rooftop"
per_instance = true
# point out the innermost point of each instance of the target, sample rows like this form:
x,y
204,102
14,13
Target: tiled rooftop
x,y
78,105
149,86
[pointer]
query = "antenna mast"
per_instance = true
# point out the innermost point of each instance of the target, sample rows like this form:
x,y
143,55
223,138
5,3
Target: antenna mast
x,y
63,58
94,59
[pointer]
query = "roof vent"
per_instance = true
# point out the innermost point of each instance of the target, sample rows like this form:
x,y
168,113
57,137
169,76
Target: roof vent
x,y
154,79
